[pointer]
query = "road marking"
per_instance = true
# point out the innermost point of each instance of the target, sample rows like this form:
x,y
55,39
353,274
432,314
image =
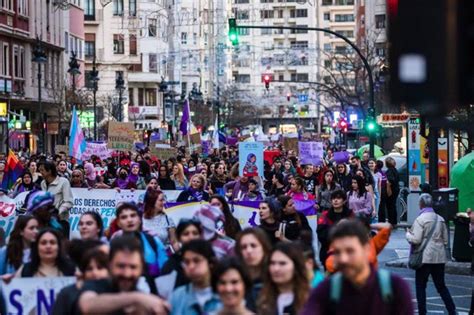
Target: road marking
x,y
453,296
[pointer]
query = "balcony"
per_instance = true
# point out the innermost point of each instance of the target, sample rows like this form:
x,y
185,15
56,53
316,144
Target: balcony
x,y
144,77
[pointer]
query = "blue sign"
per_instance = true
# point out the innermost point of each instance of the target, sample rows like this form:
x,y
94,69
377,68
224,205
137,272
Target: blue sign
x,y
302,98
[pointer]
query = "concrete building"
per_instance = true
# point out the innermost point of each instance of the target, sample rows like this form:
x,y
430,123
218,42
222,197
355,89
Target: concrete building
x,y
283,55
111,35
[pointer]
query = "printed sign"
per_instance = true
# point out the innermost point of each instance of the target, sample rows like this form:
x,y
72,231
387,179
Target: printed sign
x,y
33,296
98,149
121,136
251,159
310,153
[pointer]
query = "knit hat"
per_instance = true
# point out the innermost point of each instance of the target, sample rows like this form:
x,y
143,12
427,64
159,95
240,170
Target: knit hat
x,y
38,199
212,219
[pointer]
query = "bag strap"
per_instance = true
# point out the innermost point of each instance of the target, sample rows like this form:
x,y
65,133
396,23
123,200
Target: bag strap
x,y
430,234
385,283
335,288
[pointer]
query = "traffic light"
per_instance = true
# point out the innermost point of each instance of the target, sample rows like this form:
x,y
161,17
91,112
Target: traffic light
x,y
343,125
288,96
233,33
370,125
266,79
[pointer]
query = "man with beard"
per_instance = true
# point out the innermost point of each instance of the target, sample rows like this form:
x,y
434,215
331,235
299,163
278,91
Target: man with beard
x,y
119,294
358,288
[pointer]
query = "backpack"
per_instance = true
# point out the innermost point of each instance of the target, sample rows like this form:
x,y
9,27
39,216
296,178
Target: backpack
x,y
384,281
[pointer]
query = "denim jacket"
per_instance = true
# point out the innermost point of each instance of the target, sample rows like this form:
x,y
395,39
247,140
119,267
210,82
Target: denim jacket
x,y
183,301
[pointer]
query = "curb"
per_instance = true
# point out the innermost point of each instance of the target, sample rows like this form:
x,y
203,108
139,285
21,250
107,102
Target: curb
x,y
452,267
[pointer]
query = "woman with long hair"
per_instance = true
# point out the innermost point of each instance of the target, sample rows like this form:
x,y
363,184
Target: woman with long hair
x,y
359,199
288,168
269,211
195,192
231,225
36,175
232,283
298,190
295,224
26,184
164,180
17,251
47,257
325,190
63,170
377,176
218,178
91,226
286,284
156,222
253,248
180,180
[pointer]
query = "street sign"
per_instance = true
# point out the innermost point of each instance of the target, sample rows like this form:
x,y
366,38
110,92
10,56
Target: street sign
x,y
302,98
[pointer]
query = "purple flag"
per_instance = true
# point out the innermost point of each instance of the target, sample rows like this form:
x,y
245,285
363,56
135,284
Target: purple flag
x,y
185,119
341,157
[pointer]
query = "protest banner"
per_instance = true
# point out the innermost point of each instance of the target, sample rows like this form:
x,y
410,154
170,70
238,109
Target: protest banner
x,y
250,159
206,147
310,153
290,144
98,149
163,151
121,136
341,157
58,148
8,207
33,296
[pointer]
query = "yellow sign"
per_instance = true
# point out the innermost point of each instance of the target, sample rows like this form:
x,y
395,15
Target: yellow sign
x,y
3,109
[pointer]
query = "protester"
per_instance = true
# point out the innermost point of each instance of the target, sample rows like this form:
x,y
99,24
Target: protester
x,y
326,189
315,274
156,222
343,178
231,224
119,292
286,283
123,180
298,190
295,224
253,194
91,226
36,176
180,180
195,192
253,248
18,249
232,283
63,170
359,199
164,180
58,186
429,231
90,174
393,189
358,289
47,257
310,179
236,190
377,176
288,168
197,296
212,220
135,178
270,213
152,183
218,178
278,187
24,185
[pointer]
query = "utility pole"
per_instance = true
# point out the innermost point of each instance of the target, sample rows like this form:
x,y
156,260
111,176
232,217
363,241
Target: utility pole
x,y
39,56
95,79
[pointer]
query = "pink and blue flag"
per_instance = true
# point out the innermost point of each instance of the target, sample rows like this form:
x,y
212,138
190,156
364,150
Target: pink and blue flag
x,y
77,142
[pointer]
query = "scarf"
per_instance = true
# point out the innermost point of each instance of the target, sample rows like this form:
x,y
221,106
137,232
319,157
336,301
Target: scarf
x,y
196,194
132,177
426,210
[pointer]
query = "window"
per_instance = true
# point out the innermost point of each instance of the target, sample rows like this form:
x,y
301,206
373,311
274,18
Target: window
x,y
327,16
133,44
327,2
242,78
380,21
327,47
23,7
5,60
300,31
184,63
89,49
150,97
344,17
21,73
184,38
280,14
241,1
299,44
131,100
141,97
344,2
298,13
266,14
152,63
243,31
242,15
281,77
16,61
347,33
299,77
89,10
7,4
195,35
184,87
266,31
152,27
118,7
66,42
88,78
380,49
328,64
132,7
119,44
206,37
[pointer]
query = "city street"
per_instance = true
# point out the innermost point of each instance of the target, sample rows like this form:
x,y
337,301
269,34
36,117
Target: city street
x,y
460,286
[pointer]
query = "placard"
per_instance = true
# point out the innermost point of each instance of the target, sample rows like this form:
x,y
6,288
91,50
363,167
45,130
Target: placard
x,y
290,144
98,149
310,153
121,136
58,148
250,159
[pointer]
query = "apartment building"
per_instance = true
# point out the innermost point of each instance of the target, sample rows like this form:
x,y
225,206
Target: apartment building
x,y
287,56
112,29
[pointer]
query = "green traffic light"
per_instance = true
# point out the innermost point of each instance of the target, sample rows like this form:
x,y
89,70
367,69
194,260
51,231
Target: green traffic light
x,y
233,34
371,126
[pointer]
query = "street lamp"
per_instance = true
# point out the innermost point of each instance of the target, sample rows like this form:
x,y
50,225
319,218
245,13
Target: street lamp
x,y
39,56
94,77
74,69
120,86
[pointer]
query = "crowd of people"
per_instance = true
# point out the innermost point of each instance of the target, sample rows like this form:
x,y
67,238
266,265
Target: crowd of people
x,y
210,263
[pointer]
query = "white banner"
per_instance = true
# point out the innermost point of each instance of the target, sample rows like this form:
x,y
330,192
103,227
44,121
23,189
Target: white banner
x,y
98,149
33,296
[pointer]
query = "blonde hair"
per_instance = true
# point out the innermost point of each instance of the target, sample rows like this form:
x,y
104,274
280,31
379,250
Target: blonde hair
x,y
180,178
201,178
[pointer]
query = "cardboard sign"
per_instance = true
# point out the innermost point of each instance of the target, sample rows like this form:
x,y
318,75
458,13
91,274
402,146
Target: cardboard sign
x,y
250,159
163,151
121,136
290,144
98,149
61,148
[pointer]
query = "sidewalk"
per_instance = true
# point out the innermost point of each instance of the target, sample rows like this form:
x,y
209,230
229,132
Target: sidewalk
x,y
395,254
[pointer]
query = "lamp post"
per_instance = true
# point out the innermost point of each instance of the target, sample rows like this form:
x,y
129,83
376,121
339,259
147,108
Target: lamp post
x,y
74,69
39,56
120,86
94,77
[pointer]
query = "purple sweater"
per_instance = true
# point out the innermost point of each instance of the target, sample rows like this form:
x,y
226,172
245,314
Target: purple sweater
x,y
360,204
360,301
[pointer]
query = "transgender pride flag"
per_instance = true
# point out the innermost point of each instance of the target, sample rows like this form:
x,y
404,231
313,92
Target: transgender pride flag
x,y
77,143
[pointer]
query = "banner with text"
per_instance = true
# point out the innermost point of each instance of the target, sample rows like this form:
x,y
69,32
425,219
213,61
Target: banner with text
x,y
121,136
310,153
